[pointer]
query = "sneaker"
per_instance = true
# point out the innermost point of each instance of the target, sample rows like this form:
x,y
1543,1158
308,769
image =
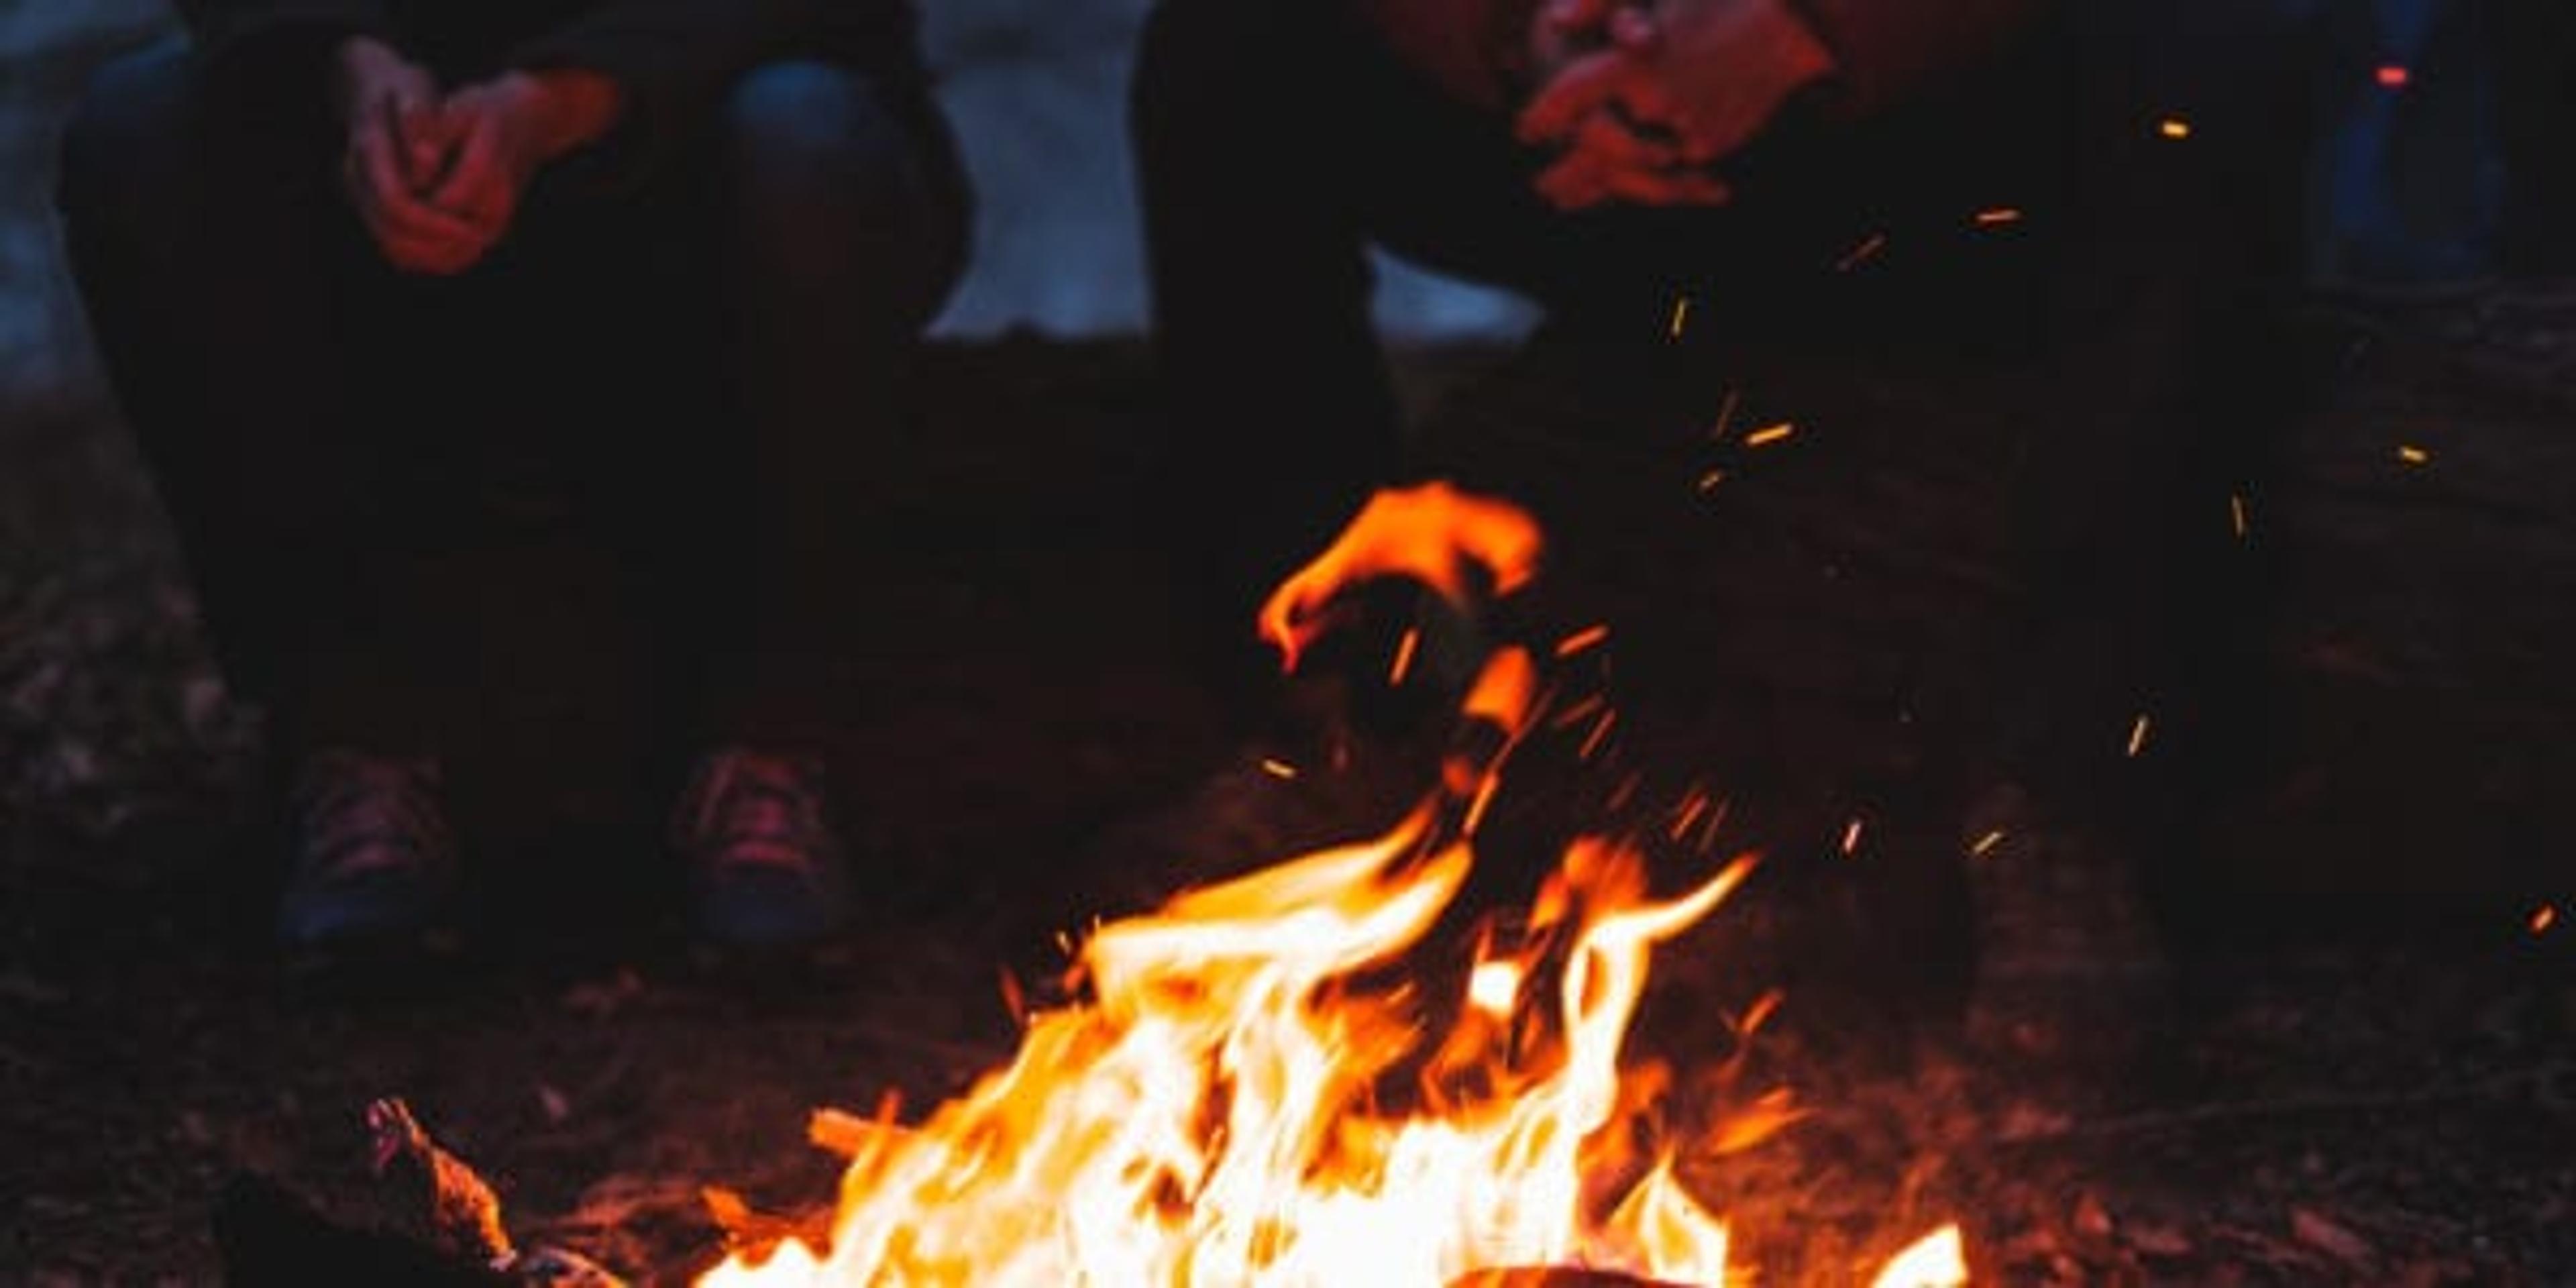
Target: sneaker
x,y
373,858
765,868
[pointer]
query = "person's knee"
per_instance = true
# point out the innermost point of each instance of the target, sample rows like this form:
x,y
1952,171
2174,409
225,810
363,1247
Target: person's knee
x,y
827,157
826,129
122,149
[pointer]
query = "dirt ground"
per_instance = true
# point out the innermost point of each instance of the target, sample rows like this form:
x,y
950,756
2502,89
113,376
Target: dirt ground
x,y
2371,1078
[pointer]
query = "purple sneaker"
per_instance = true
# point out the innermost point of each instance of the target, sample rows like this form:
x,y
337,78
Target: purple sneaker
x,y
765,869
373,857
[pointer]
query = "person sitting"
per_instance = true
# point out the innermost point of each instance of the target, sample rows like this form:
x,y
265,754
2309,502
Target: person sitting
x,y
384,288
1742,215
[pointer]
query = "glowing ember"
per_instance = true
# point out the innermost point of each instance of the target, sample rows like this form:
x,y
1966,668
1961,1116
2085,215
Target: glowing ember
x,y
1249,1088
1583,641
1868,248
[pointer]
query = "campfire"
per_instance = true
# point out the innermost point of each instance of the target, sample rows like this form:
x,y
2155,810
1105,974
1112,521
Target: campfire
x,y
1260,1084
1285,1078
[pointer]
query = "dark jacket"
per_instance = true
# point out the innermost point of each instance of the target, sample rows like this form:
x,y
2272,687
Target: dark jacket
x,y
672,58
1887,50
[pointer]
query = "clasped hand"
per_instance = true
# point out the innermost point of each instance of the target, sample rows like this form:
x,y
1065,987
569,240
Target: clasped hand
x,y
1643,98
435,176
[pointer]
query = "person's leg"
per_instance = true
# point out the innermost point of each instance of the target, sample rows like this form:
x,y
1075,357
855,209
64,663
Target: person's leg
x,y
228,289
845,221
2134,510
773,287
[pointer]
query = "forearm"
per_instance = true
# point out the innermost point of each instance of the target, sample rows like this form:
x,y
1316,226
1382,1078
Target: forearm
x,y
571,108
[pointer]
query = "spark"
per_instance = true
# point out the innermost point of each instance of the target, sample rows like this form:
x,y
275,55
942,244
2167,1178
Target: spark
x,y
2544,917
1681,317
1985,844
1996,217
2174,127
1725,414
1689,814
1760,1011
1404,651
1588,637
2236,514
1600,731
1868,250
1716,820
1624,792
2413,455
2393,76
1579,712
2138,735
1708,482
1278,768
1851,838
1770,434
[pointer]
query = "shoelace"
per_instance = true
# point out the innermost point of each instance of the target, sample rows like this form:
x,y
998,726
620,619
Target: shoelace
x,y
751,808
361,815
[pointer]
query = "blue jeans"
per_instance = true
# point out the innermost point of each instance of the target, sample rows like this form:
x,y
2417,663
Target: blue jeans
x,y
676,370
2407,176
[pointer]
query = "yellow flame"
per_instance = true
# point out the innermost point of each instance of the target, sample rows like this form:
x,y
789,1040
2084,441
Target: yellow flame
x,y
1206,1117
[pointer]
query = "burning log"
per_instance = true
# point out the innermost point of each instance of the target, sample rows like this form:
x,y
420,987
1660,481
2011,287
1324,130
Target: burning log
x,y
269,1235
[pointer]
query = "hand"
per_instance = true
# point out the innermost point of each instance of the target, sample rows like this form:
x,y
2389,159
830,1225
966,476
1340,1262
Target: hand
x,y
1712,73
500,140
502,131
396,141
1613,159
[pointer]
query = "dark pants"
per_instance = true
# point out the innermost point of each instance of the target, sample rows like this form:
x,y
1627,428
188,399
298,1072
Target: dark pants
x,y
681,372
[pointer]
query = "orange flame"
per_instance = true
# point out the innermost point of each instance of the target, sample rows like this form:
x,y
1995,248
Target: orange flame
x,y
1242,1090
1432,533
